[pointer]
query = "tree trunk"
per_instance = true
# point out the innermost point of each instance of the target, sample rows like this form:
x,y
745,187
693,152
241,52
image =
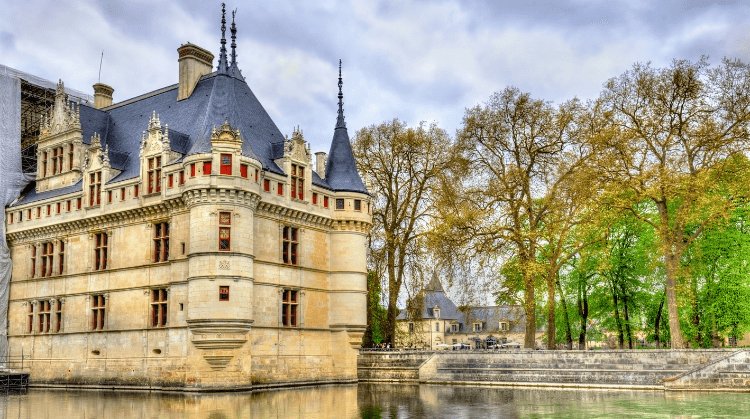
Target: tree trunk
x,y
620,337
672,261
583,311
698,339
551,314
657,321
568,333
627,321
529,306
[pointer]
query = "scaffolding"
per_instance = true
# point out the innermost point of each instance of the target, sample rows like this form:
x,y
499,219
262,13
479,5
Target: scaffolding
x,y
37,99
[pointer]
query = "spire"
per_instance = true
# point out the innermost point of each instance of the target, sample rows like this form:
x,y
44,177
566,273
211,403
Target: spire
x,y
234,36
340,120
223,67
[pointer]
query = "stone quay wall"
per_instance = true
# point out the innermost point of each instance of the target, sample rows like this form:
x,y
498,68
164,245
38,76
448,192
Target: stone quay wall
x,y
727,369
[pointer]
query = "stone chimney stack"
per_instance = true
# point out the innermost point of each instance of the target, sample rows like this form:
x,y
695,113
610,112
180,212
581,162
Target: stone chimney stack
x,y
102,95
320,164
194,62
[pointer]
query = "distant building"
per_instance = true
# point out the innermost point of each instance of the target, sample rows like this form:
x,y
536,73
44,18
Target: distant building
x,y
179,240
436,320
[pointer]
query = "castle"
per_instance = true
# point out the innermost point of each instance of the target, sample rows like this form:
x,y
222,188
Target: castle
x,y
177,240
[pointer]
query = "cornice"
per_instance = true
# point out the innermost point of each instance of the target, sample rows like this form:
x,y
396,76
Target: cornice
x,y
99,222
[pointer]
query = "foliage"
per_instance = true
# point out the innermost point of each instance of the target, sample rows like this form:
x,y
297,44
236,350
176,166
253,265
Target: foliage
x,y
403,165
376,314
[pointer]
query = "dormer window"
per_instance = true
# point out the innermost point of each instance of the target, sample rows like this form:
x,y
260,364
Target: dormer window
x,y
477,327
225,168
437,313
44,164
504,326
298,182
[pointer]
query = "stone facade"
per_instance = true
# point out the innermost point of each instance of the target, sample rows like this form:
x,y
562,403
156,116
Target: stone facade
x,y
179,267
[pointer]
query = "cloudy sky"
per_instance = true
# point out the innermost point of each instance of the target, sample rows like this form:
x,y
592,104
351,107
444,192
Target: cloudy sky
x,y
407,59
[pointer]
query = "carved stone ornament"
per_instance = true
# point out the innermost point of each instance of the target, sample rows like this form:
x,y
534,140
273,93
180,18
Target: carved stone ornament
x,y
155,140
64,116
297,148
226,134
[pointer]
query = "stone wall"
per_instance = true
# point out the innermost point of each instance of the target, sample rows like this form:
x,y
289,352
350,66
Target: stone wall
x,y
608,368
729,373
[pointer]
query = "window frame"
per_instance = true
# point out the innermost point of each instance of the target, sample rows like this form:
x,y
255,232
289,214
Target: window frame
x,y
159,307
290,308
225,226
225,168
98,311
101,251
290,245
161,242
297,176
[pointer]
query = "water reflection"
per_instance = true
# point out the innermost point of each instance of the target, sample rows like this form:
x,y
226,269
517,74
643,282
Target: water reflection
x,y
377,401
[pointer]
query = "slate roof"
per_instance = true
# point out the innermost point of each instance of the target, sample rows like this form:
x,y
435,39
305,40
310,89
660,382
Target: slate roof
x,y
219,95
490,317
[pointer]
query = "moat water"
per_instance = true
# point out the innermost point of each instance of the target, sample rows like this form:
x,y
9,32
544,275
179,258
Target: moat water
x,y
377,401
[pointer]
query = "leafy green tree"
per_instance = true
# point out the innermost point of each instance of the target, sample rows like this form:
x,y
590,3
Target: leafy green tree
x,y
376,314
673,134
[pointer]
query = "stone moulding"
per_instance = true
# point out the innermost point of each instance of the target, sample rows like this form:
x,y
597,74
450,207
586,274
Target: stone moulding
x,y
212,334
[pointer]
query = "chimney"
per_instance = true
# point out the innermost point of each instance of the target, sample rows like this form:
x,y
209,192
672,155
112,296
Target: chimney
x,y
320,164
102,95
194,62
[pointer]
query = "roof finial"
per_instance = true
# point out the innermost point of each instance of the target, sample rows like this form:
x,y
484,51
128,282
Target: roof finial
x,y
234,36
340,120
223,54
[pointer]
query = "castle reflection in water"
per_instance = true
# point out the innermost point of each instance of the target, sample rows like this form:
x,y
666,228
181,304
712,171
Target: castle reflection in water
x,y
369,401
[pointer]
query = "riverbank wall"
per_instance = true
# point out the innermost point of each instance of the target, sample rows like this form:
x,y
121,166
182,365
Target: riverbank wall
x,y
688,369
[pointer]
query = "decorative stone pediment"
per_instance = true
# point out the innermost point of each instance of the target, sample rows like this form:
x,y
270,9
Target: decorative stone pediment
x,y
296,148
155,140
226,135
64,116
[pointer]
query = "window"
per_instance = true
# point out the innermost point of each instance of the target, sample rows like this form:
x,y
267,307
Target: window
x,y
225,164
58,208
44,316
136,191
70,157
61,258
122,194
44,164
78,203
223,293
154,175
503,326
49,210
225,233
109,197
95,188
256,175
58,316
315,198
206,168
192,170
48,250
266,185
100,252
98,307
57,160
325,201
171,180
411,327
280,188
38,212
11,218
357,205
182,177
54,161
437,327
28,215
161,242
68,205
289,306
30,318
298,182
477,327
339,204
158,308
454,328
289,246
243,170
33,261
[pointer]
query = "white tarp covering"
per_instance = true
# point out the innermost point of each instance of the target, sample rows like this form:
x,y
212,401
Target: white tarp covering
x,y
12,181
